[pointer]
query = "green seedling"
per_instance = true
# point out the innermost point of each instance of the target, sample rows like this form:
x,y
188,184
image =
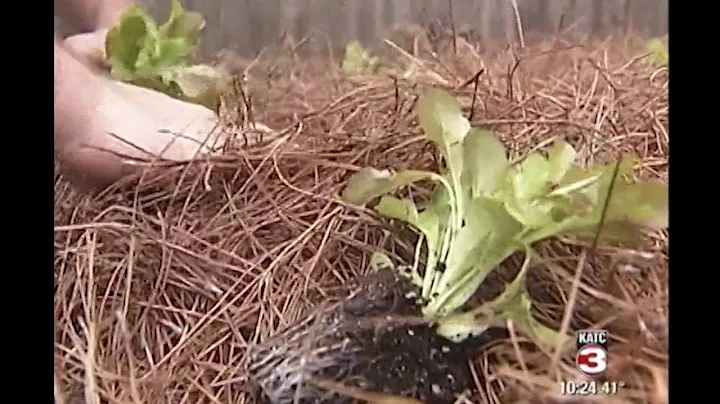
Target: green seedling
x,y
659,55
358,61
158,57
485,209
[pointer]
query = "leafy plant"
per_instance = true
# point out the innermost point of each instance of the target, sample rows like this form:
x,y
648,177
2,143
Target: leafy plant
x,y
658,53
485,209
357,60
158,57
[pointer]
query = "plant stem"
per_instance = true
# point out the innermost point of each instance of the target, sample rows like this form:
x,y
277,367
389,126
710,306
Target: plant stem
x,y
445,243
463,286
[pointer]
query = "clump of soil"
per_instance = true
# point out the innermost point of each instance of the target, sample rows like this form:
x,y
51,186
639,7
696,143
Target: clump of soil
x,y
374,340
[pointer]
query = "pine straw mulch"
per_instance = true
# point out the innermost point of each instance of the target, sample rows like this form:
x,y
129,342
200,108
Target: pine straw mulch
x,y
161,287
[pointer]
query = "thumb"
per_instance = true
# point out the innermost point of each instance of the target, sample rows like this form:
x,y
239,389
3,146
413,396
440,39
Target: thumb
x,y
89,48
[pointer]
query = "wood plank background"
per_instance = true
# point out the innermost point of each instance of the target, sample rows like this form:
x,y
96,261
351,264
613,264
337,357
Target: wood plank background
x,y
247,26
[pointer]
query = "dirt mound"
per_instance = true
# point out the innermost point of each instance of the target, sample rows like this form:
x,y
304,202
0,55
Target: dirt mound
x,y
165,281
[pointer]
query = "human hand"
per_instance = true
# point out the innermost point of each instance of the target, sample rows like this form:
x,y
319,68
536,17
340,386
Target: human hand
x,y
102,126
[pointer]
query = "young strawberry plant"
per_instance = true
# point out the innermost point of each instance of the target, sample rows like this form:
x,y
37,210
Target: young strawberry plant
x,y
484,209
158,57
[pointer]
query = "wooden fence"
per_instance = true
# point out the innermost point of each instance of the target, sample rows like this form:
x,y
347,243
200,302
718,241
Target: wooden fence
x,y
246,26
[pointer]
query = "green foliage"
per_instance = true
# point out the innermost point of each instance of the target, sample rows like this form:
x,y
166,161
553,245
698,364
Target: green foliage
x,y
358,61
659,55
486,209
158,57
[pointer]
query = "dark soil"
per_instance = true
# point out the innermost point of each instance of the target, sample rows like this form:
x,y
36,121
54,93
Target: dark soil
x,y
373,340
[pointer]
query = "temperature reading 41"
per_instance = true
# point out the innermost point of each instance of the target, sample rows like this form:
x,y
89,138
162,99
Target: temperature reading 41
x,y
611,388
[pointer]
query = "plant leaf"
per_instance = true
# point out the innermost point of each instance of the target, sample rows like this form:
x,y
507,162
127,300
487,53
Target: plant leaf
x,y
131,42
141,53
531,177
644,204
632,207
396,208
369,183
442,120
659,55
187,25
173,52
457,327
455,163
579,185
487,238
354,62
485,218
594,184
202,84
441,198
150,50
612,232
520,312
514,304
357,60
519,284
485,162
427,222
532,213
561,157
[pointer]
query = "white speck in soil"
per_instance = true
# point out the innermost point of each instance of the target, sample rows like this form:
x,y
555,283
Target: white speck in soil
x,y
410,332
450,377
437,390
445,349
410,295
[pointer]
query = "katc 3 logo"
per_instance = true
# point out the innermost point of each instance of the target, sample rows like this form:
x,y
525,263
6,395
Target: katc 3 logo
x,y
591,360
592,353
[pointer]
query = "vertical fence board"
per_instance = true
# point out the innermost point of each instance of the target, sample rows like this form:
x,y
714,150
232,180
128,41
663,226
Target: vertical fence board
x,y
249,25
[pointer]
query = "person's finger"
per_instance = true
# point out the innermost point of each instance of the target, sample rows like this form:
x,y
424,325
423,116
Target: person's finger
x,y
89,48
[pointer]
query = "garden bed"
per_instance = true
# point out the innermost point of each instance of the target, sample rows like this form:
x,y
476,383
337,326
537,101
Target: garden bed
x,y
163,290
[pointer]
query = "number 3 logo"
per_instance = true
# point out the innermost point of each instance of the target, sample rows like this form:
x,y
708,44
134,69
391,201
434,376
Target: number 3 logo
x,y
591,359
